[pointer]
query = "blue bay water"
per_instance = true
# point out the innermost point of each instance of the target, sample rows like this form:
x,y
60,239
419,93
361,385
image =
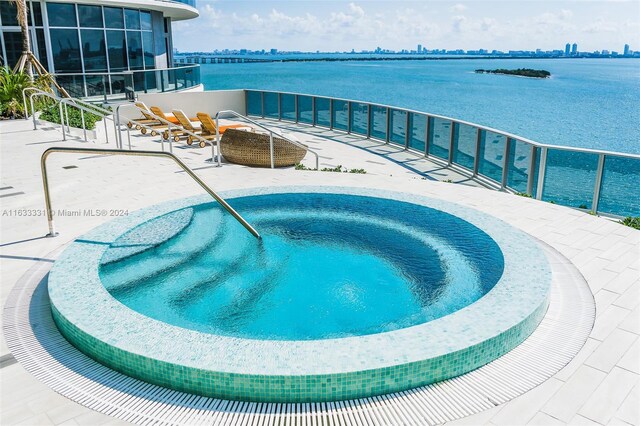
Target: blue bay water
x,y
589,103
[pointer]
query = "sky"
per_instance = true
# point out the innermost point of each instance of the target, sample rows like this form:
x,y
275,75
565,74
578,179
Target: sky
x,y
337,25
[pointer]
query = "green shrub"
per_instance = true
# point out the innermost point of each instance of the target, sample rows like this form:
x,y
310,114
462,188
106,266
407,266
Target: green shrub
x,y
523,194
11,87
52,114
359,171
633,222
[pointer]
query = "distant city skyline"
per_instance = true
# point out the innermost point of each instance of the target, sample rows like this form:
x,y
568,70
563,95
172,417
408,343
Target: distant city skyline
x,y
363,25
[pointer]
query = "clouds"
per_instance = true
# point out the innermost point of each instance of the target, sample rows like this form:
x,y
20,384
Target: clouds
x,y
342,25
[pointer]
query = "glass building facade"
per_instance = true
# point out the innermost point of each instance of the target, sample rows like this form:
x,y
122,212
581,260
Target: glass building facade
x,y
91,47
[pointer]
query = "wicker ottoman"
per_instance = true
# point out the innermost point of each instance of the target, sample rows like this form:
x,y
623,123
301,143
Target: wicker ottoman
x,y
252,149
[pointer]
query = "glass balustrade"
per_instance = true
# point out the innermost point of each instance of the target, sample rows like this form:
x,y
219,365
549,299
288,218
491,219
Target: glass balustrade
x,y
120,85
339,114
398,127
569,176
288,105
378,124
439,137
417,131
620,187
305,109
359,118
465,138
271,105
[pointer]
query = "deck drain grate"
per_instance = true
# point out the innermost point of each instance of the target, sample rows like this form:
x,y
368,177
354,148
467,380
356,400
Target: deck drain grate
x,y
69,167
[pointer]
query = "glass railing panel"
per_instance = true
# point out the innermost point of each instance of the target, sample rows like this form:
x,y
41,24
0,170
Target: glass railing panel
x,y
339,114
491,154
359,118
138,82
72,83
378,125
439,137
570,178
97,85
271,108
118,84
288,105
323,112
254,103
620,187
465,138
519,163
151,83
398,127
418,128
305,109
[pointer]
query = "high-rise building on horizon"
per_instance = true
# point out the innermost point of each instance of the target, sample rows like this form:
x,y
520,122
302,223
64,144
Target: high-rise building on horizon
x,y
626,49
567,49
419,48
574,49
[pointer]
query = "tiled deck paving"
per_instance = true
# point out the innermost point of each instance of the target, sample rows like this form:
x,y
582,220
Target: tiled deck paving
x,y
600,386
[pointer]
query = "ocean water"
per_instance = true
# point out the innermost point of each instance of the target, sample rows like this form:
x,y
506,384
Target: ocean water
x,y
588,103
328,266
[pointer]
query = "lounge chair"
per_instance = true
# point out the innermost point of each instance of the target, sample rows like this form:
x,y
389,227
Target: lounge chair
x,y
144,120
208,127
171,117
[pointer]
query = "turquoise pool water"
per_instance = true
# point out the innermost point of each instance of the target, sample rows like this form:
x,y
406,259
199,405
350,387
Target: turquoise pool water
x,y
329,265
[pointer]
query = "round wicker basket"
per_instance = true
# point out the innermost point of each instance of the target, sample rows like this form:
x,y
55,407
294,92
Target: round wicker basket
x,y
252,149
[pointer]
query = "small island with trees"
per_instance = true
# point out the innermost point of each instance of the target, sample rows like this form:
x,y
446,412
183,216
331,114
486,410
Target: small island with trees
x,y
522,72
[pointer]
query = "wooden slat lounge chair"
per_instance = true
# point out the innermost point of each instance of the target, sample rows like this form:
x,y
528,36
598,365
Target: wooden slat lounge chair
x,y
145,118
208,126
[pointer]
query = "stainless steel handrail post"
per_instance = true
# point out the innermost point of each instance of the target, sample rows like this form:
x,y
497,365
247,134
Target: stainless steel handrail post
x,y
183,166
271,150
66,114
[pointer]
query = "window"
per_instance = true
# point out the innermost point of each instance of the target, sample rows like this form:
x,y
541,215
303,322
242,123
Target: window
x,y
93,50
149,57
117,50
42,48
62,15
132,19
37,14
113,17
90,16
66,50
13,45
134,44
145,21
8,14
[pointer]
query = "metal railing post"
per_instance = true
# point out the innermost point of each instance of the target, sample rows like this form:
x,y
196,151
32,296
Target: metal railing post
x,y
427,139
598,184
388,124
532,165
295,107
505,164
452,134
330,114
349,117
542,172
476,158
84,127
313,111
369,116
271,150
407,124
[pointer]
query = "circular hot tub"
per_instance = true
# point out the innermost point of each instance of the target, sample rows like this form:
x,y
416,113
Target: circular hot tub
x,y
350,293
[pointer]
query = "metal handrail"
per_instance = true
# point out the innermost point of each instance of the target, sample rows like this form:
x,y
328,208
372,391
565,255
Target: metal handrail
x,y
39,92
271,133
179,128
47,195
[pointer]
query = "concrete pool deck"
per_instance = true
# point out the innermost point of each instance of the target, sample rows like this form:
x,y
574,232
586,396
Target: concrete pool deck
x,y
599,386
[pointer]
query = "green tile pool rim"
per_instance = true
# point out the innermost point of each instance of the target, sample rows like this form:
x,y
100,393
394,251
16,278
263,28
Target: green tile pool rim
x,y
298,371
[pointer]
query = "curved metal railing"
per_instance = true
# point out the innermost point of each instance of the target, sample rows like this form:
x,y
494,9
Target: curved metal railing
x,y
271,133
47,195
593,180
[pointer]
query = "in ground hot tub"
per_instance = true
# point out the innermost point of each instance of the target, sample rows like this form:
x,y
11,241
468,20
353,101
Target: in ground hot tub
x,y
350,293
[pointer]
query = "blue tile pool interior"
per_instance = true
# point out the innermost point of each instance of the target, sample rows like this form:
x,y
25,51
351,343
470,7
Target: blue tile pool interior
x,y
328,266
292,370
